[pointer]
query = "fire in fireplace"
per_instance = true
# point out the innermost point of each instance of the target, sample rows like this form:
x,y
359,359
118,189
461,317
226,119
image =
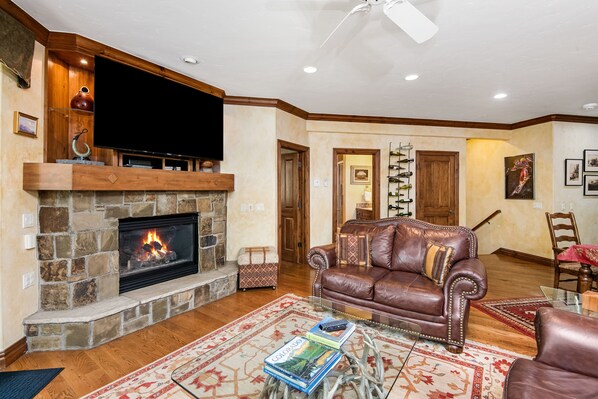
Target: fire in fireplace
x,y
156,249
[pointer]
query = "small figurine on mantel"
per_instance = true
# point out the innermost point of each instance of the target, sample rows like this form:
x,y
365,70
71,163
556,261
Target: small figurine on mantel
x,y
206,166
81,156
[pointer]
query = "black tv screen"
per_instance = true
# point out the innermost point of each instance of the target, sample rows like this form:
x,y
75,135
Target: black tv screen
x,y
138,111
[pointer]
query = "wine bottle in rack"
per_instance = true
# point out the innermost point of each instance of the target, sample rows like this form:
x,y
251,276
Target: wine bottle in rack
x,y
405,174
395,194
396,167
405,187
405,201
396,154
406,160
395,207
405,214
394,179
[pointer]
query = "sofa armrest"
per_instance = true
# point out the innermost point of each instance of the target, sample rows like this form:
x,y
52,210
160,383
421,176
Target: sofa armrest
x,y
321,258
468,276
567,340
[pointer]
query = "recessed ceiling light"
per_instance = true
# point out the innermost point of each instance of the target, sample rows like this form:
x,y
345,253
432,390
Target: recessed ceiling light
x,y
310,69
590,106
499,96
413,76
190,59
83,61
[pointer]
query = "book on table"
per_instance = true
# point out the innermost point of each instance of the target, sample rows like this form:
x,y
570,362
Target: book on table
x,y
302,363
334,339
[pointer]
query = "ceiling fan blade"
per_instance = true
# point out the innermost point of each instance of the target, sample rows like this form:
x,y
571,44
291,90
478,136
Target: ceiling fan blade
x,y
410,19
364,7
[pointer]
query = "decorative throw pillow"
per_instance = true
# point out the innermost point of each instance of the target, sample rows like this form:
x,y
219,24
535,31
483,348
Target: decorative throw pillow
x,y
352,249
437,262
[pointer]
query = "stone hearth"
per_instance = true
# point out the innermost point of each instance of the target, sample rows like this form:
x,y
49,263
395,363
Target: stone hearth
x,y
80,306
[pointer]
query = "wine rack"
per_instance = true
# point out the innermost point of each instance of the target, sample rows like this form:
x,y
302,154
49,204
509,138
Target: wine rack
x,y
399,176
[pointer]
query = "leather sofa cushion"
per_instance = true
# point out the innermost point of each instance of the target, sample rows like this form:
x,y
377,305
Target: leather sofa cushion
x,y
532,379
410,291
381,241
353,280
410,245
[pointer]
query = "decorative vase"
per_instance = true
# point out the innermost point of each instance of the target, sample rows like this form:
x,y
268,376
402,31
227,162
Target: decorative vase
x,y
82,100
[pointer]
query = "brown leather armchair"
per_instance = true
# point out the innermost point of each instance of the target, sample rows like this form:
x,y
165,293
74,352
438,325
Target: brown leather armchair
x,y
565,365
395,286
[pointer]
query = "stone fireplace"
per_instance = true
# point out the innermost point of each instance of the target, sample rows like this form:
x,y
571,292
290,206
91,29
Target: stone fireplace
x,y
81,266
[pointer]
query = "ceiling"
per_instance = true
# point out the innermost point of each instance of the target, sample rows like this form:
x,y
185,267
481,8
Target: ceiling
x,y
543,54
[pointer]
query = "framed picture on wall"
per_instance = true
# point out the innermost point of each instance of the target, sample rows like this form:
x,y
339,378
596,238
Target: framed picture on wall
x,y
590,185
25,125
573,172
590,160
519,177
361,175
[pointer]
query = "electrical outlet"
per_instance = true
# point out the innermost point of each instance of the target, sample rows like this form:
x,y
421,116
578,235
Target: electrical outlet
x,y
28,220
563,206
28,279
260,207
250,207
29,241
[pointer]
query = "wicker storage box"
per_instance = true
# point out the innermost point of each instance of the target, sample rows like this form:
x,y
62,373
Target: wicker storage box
x,y
258,267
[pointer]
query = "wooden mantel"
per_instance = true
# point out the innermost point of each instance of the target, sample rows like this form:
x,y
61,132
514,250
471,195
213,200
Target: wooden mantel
x,y
78,177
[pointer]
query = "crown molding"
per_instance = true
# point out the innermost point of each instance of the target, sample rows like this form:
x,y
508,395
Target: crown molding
x,y
266,102
408,121
555,118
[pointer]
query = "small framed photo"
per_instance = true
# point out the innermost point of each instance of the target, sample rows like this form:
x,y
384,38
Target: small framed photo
x,y
590,160
361,175
590,185
25,124
573,172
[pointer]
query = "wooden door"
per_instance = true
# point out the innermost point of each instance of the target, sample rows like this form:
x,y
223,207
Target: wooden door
x,y
290,203
437,187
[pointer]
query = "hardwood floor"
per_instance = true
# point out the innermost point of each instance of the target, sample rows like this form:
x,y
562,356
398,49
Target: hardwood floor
x,y
85,371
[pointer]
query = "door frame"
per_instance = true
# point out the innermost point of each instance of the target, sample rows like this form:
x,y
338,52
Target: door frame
x,y
375,153
303,235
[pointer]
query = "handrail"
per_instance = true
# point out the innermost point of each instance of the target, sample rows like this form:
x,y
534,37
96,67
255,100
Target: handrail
x,y
487,220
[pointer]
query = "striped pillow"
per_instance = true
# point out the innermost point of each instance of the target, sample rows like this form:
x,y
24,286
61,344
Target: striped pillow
x,y
352,249
437,262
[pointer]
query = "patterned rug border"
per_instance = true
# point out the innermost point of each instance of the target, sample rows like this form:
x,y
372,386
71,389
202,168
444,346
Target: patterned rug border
x,y
423,350
491,308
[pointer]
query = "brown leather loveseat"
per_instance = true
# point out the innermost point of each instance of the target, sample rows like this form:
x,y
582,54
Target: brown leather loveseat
x,y
394,283
565,365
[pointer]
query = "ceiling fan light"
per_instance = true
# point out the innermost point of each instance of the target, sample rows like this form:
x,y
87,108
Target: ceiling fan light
x,y
410,19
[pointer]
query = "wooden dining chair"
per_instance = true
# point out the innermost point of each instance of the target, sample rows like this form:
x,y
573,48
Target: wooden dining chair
x,y
564,233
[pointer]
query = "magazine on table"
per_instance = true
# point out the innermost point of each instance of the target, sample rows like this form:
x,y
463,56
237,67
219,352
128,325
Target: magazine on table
x,y
302,363
334,339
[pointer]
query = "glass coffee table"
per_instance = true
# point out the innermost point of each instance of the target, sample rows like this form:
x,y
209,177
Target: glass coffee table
x,y
570,301
373,356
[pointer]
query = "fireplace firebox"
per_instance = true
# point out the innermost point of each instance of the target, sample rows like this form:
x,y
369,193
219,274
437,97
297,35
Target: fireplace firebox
x,y
156,249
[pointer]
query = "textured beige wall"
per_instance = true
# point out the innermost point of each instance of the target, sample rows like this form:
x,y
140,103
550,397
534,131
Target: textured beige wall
x,y
521,226
570,139
15,302
250,154
324,137
290,128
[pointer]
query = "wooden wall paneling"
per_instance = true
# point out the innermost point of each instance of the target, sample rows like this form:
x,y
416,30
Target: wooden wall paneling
x,y
56,131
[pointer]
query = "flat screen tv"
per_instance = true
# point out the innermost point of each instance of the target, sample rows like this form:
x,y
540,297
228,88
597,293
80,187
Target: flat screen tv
x,y
138,111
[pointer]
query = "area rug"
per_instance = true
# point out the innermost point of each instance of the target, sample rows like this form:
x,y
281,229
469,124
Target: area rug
x,y
517,313
25,384
233,359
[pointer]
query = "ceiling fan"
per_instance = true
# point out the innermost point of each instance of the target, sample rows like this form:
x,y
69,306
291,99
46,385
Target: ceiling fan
x,y
402,13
